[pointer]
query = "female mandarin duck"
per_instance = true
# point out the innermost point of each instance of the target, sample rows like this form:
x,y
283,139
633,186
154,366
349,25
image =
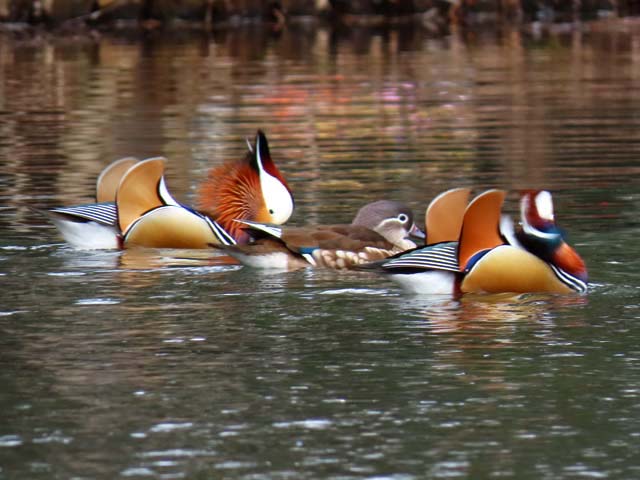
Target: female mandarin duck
x,y
135,207
380,229
485,254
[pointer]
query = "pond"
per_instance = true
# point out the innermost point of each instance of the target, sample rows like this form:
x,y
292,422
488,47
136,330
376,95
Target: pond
x,y
168,364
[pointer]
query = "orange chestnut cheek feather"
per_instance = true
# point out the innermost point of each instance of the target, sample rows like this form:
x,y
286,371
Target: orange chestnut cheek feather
x,y
262,214
232,192
568,260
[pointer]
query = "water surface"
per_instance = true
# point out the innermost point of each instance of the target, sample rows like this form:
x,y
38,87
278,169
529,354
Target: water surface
x,y
165,364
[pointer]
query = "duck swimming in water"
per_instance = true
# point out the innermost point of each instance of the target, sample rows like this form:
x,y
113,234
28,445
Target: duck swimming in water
x,y
490,254
379,229
135,207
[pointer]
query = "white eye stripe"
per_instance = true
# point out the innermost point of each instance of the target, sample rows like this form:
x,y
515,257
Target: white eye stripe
x,y
544,205
390,223
276,198
531,230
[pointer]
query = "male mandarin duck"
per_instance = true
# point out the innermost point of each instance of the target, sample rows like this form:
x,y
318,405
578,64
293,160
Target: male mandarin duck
x,y
379,229
486,253
135,207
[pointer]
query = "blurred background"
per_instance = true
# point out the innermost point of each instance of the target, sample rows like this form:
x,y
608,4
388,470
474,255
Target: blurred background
x,y
433,13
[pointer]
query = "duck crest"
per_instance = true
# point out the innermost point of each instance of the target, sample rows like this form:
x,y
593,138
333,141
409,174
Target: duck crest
x,y
536,210
542,237
480,227
263,160
245,190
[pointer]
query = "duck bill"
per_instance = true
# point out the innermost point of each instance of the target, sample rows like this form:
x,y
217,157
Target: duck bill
x,y
417,232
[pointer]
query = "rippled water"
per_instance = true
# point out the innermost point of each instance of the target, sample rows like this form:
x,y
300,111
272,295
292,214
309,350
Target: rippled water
x,y
171,365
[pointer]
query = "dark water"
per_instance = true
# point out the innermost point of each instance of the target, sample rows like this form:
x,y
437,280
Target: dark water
x,y
150,364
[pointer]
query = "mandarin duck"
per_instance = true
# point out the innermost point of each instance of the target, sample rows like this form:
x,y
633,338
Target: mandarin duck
x,y
486,253
135,207
379,229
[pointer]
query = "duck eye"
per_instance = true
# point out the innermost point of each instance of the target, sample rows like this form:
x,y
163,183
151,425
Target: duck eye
x,y
403,218
271,212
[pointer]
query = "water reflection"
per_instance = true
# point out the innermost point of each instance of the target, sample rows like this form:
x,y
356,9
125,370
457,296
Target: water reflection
x,y
360,118
443,314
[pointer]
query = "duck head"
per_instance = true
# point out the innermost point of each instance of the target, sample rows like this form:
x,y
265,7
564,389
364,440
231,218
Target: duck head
x,y
393,220
540,235
250,189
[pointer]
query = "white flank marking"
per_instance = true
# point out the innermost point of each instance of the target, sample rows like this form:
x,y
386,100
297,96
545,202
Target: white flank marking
x,y
87,236
433,282
272,261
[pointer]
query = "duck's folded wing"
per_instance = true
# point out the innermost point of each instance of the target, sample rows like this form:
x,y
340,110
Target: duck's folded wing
x,y
441,256
104,213
87,227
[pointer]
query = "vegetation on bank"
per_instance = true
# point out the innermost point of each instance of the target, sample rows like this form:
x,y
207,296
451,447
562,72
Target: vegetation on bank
x,y
209,13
